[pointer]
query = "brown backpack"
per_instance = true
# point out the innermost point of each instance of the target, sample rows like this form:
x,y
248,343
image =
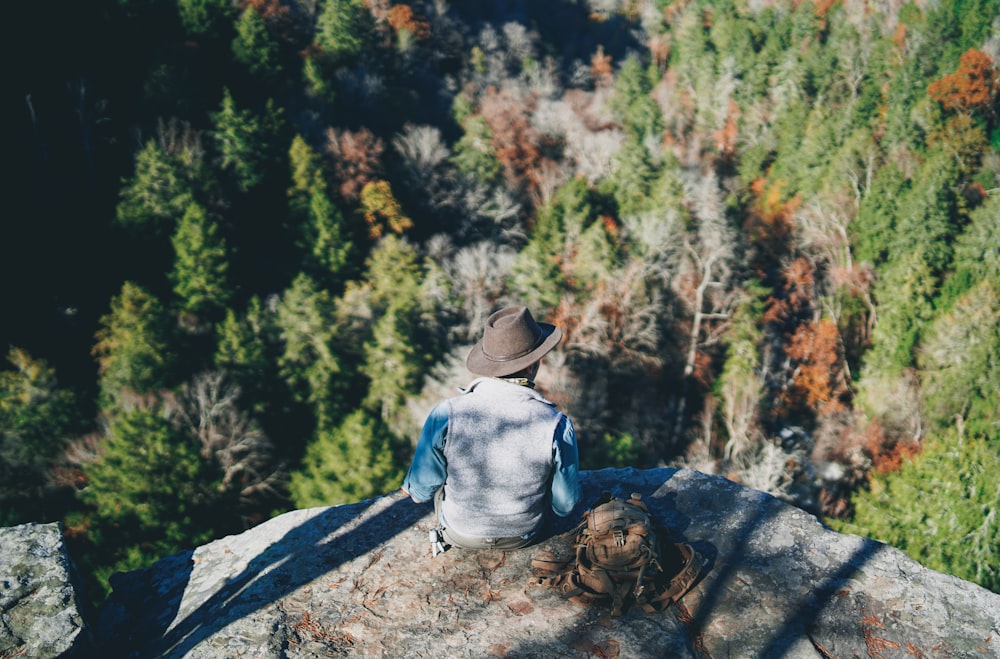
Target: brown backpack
x,y
618,558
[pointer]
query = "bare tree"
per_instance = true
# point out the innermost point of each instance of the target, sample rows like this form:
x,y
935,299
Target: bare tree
x,y
208,409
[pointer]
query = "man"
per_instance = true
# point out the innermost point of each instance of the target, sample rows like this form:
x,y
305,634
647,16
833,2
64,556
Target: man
x,y
499,456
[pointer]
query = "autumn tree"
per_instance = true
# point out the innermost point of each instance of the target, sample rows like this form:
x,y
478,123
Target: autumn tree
x,y
356,158
970,89
381,211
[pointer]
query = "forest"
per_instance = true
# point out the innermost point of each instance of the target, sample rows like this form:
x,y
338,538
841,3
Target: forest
x,y
249,244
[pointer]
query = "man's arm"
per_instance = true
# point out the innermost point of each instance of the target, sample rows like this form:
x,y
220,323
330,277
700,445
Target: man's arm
x,y
566,479
428,470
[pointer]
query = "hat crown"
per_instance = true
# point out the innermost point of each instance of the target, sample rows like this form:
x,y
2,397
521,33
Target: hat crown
x,y
511,333
512,340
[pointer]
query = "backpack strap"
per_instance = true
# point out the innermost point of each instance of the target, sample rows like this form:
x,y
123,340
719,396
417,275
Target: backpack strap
x,y
682,582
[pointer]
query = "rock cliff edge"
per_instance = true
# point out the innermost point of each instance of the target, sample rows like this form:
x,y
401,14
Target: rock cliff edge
x,y
359,580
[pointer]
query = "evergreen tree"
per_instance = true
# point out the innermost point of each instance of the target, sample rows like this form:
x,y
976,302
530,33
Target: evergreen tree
x,y
940,508
351,462
200,268
309,363
253,46
205,18
343,29
134,345
155,196
323,232
37,417
245,141
960,364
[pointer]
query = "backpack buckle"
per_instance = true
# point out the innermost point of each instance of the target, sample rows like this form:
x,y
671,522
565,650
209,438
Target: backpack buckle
x,y
619,538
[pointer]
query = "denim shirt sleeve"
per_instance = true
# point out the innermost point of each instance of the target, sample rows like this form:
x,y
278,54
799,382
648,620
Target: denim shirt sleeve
x,y
566,479
428,470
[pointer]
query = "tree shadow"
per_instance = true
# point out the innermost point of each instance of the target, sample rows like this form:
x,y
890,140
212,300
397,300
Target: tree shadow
x,y
321,543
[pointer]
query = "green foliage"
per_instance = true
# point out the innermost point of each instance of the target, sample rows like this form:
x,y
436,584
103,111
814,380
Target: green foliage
x,y
148,493
309,363
343,29
37,418
977,251
640,115
201,266
611,450
205,18
940,508
960,364
156,194
134,345
474,154
323,237
355,461
245,140
253,47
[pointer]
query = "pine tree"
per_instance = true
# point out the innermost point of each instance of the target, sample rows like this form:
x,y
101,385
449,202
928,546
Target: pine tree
x,y
134,345
148,495
343,29
940,508
37,418
245,140
155,196
310,363
253,46
354,461
200,268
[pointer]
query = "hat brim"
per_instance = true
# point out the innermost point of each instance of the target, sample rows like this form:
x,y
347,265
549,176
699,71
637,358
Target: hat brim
x,y
478,363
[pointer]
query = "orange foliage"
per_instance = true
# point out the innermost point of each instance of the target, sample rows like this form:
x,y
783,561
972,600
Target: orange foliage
x,y
770,219
887,456
972,87
401,17
823,7
600,67
795,295
514,139
817,380
725,137
356,159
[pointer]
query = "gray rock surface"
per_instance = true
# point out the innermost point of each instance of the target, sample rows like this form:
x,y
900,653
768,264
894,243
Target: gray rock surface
x,y
40,614
359,580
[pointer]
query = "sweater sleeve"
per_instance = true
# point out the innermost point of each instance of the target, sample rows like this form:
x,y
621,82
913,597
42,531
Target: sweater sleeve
x,y
566,479
429,470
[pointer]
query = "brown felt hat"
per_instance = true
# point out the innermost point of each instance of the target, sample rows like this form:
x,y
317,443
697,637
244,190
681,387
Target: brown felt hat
x,y
512,340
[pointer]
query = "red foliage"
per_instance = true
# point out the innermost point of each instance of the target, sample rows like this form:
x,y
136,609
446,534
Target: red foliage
x,y
356,160
514,139
817,377
601,69
769,222
887,455
794,296
401,17
972,87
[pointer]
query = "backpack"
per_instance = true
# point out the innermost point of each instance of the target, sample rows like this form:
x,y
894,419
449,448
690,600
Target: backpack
x,y
618,558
